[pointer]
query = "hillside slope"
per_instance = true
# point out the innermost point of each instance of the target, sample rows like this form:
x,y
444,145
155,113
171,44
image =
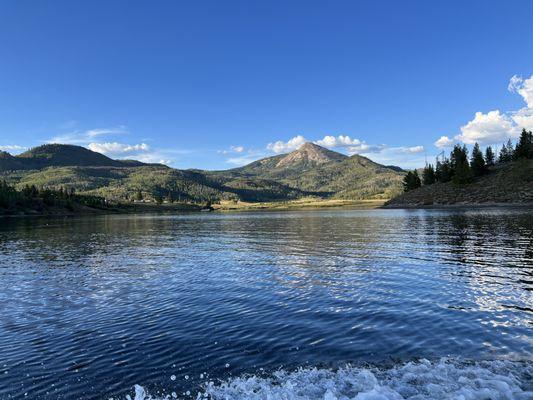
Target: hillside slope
x,y
322,172
510,183
309,171
60,155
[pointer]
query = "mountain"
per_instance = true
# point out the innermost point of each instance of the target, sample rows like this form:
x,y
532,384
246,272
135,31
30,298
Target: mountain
x,y
309,155
8,162
318,171
310,170
62,155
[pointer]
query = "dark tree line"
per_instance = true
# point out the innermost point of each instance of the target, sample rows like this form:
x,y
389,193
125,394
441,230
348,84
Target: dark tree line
x,y
461,169
31,197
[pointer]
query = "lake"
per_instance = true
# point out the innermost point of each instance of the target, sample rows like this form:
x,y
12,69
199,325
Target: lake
x,y
333,304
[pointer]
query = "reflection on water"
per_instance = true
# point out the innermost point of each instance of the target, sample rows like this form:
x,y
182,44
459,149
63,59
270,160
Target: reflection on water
x,y
91,306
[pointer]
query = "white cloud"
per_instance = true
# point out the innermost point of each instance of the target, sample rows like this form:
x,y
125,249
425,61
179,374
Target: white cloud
x,y
140,152
106,131
117,149
232,149
351,145
338,141
409,150
284,147
364,148
13,148
523,118
237,149
493,127
524,87
443,141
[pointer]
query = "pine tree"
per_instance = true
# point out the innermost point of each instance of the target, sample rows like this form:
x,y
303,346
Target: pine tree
x,y
428,175
461,171
477,162
411,181
443,172
524,147
506,153
489,156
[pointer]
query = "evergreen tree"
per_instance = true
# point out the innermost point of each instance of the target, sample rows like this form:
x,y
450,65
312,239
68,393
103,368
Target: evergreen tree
x,y
461,172
428,176
411,181
506,153
489,156
477,162
443,171
524,147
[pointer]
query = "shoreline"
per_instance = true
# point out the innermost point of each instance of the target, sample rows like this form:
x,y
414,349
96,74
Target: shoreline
x,y
119,210
455,206
293,205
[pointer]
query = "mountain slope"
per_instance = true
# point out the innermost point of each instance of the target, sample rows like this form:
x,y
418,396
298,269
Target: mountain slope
x,y
322,172
8,162
507,183
309,171
61,155
309,154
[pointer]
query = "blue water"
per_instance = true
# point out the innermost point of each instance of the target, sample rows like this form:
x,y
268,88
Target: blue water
x,y
91,306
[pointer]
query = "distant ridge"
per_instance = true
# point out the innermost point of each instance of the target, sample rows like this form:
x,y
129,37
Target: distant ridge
x,y
60,155
311,170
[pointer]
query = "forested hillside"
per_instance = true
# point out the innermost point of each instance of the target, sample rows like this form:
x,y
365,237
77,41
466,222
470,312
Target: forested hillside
x,y
309,171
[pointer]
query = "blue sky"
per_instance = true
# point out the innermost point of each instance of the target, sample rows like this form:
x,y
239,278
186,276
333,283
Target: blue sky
x,y
215,84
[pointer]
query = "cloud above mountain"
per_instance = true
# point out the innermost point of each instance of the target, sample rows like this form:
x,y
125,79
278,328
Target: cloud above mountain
x,y
82,137
13,148
115,149
404,155
284,147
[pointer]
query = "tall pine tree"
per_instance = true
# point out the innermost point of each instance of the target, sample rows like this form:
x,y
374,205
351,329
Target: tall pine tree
x,y
462,173
477,162
411,181
506,153
428,175
489,156
524,147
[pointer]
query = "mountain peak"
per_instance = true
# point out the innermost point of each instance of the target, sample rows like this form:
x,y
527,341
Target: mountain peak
x,y
310,153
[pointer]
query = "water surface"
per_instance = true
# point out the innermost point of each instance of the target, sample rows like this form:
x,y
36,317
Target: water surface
x,y
92,306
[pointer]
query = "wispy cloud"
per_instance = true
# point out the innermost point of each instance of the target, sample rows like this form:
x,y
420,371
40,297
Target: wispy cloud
x,y
118,149
141,152
13,148
86,136
103,140
232,150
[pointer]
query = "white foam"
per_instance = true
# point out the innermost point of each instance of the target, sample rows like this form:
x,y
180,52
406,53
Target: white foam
x,y
443,379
